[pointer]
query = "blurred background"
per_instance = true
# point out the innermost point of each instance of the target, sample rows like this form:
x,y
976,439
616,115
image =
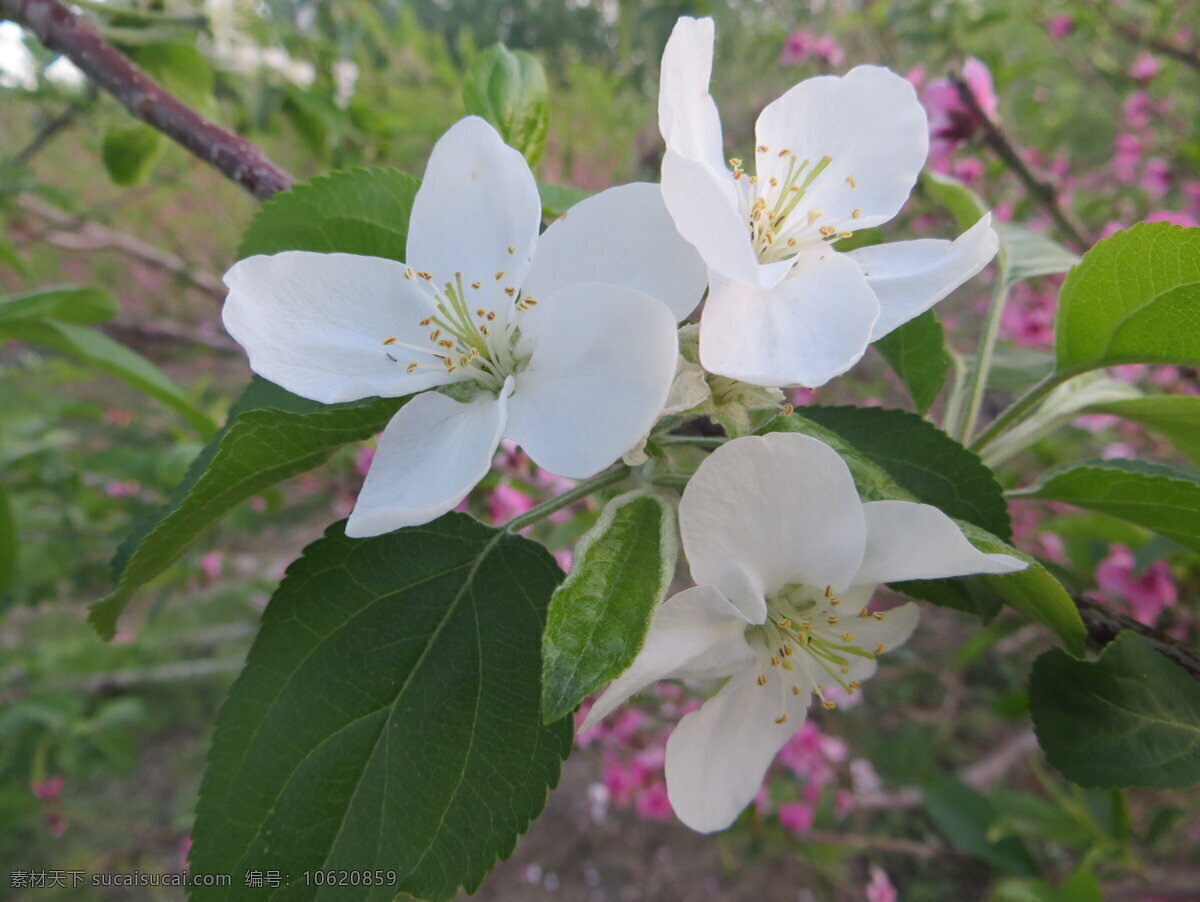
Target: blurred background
x,y
929,789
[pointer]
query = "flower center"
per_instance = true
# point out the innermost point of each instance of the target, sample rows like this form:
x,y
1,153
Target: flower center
x,y
807,631
468,340
780,225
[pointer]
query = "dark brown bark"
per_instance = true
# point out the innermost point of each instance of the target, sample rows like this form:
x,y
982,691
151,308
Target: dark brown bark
x,y
61,30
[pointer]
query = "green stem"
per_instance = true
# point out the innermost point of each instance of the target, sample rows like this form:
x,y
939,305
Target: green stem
x,y
1021,407
704,441
585,488
952,419
978,374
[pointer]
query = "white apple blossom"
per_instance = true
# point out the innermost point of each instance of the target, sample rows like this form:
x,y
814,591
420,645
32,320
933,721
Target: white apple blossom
x,y
786,557
564,343
833,154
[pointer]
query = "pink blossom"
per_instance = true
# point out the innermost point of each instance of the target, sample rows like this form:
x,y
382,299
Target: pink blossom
x,y
56,823
1129,372
47,790
628,725
1096,422
1137,109
1175,217
1127,153
880,888
211,565
1144,67
952,122
863,777
121,489
916,76
802,397
565,558
1145,595
1156,178
652,804
796,817
1059,26
1118,451
505,502
802,45
362,460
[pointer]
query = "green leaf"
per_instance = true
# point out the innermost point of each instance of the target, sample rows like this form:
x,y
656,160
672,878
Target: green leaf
x,y
358,211
922,459
99,351
509,90
130,153
1133,299
1151,495
1175,416
1028,253
1063,404
181,69
8,547
599,616
10,258
271,435
917,353
964,817
962,203
558,199
1129,718
388,717
67,303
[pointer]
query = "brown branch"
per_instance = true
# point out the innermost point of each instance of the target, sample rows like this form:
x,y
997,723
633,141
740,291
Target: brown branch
x,y
1042,190
61,30
881,844
78,234
1103,624
1189,56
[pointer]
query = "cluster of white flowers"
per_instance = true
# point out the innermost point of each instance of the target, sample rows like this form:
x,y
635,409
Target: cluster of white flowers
x,y
566,343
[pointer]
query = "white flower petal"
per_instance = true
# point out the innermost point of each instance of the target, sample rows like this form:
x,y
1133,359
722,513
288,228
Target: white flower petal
x,y
812,326
891,632
316,324
765,512
707,210
687,114
717,756
694,634
918,541
603,359
622,236
430,456
909,277
477,200
871,125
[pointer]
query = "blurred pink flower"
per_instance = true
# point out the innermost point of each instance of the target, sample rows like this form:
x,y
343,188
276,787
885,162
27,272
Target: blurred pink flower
x,y
1144,67
653,805
1137,109
1127,153
796,817
916,76
565,558
47,790
1156,178
56,822
951,122
880,888
863,777
1176,217
211,565
802,45
1144,595
121,489
1059,26
505,502
362,459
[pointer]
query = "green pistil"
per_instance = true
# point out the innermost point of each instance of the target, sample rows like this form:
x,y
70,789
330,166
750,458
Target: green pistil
x,y
779,217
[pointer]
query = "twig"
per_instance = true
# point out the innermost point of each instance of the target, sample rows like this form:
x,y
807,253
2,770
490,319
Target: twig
x,y
79,234
878,844
1103,624
1042,190
61,30
981,775
49,129
1189,56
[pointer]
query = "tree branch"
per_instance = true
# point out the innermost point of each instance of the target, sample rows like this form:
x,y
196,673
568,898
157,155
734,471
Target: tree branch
x,y
61,30
1189,56
1043,191
1103,624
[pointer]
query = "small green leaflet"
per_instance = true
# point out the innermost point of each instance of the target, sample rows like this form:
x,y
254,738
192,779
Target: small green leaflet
x,y
271,435
1135,298
388,717
965,817
1028,254
917,353
1151,495
65,303
1129,718
508,89
599,616
130,153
